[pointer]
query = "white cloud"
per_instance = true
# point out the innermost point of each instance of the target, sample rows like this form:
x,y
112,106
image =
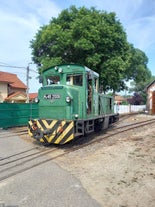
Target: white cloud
x,y
44,10
19,22
16,31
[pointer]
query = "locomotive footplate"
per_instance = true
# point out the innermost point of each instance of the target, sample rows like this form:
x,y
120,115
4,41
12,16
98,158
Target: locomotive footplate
x,y
51,131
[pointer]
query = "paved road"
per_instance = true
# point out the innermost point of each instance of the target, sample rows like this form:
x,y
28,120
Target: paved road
x,y
47,185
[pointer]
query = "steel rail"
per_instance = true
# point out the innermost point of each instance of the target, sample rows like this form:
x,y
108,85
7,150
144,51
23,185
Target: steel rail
x,y
12,135
144,123
25,156
28,160
18,153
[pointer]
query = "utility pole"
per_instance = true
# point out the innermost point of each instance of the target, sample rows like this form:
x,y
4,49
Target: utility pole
x,y
27,82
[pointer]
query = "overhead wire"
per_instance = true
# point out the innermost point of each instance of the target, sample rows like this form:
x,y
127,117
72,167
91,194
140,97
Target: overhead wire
x,y
20,67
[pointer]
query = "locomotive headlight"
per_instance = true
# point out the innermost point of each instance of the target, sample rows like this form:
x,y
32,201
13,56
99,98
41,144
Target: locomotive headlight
x,y
76,116
60,70
68,99
56,68
36,100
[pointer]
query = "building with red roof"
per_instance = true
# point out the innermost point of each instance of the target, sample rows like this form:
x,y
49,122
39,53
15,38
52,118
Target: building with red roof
x,y
32,97
12,89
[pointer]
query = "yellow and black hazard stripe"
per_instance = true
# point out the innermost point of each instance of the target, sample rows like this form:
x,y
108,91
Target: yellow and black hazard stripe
x,y
52,131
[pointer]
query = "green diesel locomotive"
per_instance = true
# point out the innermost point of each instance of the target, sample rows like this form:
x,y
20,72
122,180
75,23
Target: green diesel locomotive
x,y
70,105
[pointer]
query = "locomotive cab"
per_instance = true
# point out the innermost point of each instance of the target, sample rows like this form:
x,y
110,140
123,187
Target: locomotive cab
x,y
68,92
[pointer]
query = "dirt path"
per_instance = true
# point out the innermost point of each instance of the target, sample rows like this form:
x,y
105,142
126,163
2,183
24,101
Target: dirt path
x,y
120,171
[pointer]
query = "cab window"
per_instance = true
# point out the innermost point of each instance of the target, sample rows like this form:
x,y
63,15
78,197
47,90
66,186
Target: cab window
x,y
52,80
76,80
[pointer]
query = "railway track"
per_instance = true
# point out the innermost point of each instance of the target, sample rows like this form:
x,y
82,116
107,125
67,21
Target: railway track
x,y
3,135
26,160
126,116
22,161
128,127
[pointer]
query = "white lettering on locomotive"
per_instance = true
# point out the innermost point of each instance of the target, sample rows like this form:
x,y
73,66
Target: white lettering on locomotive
x,y
52,96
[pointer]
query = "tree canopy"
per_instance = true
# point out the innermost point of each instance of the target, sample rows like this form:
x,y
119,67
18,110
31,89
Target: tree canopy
x,y
93,38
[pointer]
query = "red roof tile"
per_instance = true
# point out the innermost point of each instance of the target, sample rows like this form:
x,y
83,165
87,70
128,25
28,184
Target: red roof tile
x,y
12,79
33,95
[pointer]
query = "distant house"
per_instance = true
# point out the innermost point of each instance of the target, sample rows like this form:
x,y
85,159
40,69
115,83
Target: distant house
x,y
119,99
150,89
12,89
32,97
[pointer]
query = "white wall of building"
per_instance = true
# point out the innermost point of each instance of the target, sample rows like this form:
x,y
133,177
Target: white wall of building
x,y
3,91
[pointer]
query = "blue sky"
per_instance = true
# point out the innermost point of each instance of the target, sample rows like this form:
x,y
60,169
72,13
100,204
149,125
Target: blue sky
x,y
21,19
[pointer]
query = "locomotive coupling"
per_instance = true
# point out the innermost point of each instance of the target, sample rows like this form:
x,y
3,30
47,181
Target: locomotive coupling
x,y
34,131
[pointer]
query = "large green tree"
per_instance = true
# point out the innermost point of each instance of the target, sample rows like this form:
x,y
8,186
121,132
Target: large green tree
x,y
137,66
90,37
139,72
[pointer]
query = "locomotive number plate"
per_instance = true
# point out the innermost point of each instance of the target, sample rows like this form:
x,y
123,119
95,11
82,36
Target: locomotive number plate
x,y
52,96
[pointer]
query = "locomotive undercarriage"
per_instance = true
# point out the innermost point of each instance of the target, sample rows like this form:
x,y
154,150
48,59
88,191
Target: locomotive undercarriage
x,y
62,131
84,127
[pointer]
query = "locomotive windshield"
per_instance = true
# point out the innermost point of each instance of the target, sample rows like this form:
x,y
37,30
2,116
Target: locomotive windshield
x,y
76,80
52,80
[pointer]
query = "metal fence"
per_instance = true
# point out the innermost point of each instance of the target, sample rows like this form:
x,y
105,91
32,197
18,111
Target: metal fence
x,y
17,114
123,109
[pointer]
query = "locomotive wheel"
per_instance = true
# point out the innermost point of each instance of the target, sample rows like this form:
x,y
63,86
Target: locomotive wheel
x,y
85,129
98,126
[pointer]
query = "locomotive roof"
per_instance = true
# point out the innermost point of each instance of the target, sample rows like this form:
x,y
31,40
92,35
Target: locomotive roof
x,y
86,68
89,70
